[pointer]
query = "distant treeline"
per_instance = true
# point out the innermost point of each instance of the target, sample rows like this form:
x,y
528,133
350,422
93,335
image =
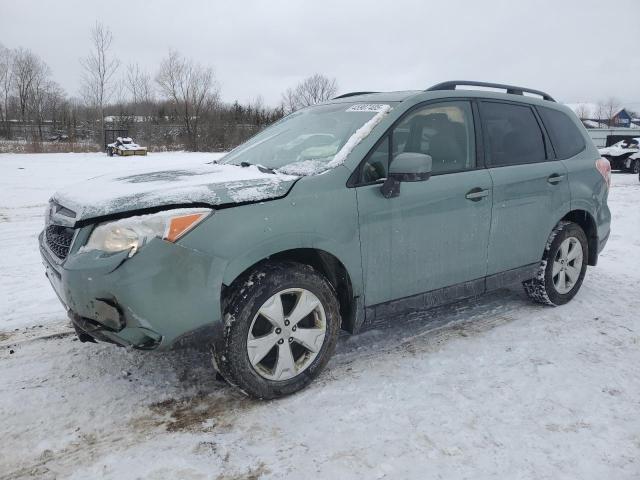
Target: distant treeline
x,y
178,107
220,128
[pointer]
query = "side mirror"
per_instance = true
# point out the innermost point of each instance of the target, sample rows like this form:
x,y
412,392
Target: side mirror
x,y
406,167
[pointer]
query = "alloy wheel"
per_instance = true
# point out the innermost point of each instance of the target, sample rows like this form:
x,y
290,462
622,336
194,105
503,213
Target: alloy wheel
x,y
567,265
286,334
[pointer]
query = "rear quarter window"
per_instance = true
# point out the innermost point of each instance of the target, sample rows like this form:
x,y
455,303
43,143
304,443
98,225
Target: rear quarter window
x,y
565,136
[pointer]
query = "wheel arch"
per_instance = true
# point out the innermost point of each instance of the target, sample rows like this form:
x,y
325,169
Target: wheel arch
x,y
327,264
588,225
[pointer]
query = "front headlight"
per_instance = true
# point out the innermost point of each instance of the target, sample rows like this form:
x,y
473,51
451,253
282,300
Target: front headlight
x,y
133,232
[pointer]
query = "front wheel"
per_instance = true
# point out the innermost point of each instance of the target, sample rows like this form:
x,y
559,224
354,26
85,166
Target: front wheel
x,y
563,266
635,167
281,327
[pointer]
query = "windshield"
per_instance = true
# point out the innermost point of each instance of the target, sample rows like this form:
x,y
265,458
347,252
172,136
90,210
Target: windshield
x,y
306,141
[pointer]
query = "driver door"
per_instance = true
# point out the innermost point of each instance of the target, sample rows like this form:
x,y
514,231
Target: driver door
x,y
435,233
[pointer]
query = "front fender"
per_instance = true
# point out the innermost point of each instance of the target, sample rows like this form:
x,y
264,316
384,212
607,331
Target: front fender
x,y
319,213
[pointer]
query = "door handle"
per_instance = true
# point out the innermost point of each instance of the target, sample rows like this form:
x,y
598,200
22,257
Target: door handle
x,y
476,194
555,178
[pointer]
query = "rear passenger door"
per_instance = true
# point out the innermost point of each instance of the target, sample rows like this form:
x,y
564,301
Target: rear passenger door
x,y
530,188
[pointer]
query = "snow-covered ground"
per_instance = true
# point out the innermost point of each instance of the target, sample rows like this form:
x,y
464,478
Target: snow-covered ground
x,y
495,388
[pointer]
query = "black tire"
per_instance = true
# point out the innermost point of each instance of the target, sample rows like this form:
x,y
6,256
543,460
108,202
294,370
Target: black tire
x,y
635,167
541,288
110,151
246,297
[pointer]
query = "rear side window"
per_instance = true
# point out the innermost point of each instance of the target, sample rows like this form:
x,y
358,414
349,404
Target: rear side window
x,y
512,134
567,139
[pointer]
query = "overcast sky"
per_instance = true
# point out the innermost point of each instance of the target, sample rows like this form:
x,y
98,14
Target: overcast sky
x,y
577,50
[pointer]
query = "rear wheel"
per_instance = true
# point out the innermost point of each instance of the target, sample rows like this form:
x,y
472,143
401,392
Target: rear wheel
x,y
281,327
635,166
563,266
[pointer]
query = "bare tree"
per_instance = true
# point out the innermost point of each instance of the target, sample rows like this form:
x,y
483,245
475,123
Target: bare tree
x,y
583,112
139,86
611,107
6,77
54,101
606,110
600,114
99,68
38,101
314,89
258,110
123,108
191,88
289,102
29,71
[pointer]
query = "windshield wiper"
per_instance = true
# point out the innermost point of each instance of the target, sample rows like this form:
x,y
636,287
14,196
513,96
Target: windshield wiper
x,y
260,167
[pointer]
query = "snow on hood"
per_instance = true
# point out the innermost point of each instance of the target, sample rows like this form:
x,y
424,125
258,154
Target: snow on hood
x,y
211,184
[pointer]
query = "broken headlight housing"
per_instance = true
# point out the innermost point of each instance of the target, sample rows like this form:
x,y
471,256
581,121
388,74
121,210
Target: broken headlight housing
x,y
133,232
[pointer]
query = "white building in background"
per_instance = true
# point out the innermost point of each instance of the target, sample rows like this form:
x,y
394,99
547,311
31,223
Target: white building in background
x,y
125,118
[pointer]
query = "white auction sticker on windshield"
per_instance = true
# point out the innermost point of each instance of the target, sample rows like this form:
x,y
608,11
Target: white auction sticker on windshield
x,y
367,107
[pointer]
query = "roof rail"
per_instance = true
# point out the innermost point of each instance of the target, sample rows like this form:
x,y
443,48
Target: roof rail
x,y
351,94
451,85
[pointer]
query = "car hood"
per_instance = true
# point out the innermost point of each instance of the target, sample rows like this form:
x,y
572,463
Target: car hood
x,y
209,184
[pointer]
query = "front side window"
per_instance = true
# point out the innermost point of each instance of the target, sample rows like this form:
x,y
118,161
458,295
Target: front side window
x,y
512,134
443,131
567,139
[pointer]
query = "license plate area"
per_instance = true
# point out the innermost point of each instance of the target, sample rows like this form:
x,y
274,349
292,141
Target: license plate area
x,y
56,282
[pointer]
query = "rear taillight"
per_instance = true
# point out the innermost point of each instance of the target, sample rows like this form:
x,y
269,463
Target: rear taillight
x,y
604,167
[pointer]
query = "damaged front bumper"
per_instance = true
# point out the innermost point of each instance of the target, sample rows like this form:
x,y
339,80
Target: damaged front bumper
x,y
89,330
151,300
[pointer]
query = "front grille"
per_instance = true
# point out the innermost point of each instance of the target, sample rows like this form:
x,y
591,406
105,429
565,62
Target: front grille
x,y
59,240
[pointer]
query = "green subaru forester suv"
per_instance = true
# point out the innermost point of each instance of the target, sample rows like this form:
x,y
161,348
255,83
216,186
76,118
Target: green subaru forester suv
x,y
340,216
